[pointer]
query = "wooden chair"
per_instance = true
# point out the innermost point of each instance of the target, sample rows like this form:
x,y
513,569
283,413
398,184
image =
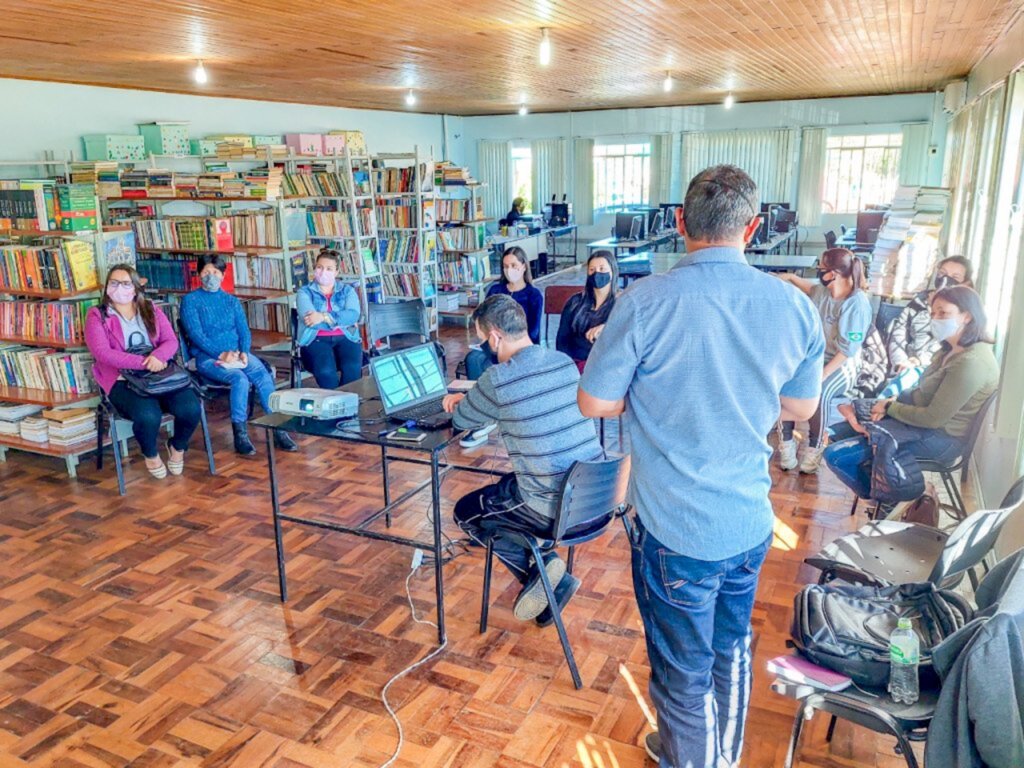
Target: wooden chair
x,y
555,299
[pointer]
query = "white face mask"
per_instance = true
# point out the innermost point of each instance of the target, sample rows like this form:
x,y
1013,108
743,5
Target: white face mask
x,y
514,274
944,328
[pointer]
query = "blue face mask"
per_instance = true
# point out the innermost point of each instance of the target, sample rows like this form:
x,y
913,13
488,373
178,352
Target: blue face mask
x,y
944,328
211,281
599,279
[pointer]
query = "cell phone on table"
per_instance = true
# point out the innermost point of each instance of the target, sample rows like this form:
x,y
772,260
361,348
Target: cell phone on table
x,y
406,435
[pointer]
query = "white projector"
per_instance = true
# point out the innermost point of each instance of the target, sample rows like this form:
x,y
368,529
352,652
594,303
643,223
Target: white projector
x,y
315,403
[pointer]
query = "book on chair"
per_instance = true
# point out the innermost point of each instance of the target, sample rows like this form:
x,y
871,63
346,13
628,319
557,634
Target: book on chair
x,y
796,669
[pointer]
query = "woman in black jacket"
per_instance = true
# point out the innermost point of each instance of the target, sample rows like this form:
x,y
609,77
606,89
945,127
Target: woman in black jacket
x,y
585,314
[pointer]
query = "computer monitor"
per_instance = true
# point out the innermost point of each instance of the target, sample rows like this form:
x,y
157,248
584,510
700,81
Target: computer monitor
x,y
868,224
636,230
785,219
763,232
657,223
624,226
766,206
408,377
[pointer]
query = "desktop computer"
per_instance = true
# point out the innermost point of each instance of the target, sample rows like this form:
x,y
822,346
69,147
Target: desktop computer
x,y
629,226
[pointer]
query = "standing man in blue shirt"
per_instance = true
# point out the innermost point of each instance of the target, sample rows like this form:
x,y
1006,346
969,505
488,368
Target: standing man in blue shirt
x,y
702,361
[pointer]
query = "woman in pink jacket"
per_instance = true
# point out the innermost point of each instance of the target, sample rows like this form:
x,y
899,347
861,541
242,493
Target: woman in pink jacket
x,y
125,318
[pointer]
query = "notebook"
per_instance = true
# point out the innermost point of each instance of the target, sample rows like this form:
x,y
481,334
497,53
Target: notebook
x,y
797,669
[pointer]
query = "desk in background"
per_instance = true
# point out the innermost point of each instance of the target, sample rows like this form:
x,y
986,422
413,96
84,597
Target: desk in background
x,y
355,431
571,232
775,243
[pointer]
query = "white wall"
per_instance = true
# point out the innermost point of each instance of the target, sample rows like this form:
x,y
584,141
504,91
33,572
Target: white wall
x,y
839,112
40,116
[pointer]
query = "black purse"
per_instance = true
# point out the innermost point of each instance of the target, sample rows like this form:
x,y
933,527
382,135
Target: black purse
x,y
171,379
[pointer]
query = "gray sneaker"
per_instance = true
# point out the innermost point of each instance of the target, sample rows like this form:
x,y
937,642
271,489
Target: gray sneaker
x,y
652,743
532,601
477,437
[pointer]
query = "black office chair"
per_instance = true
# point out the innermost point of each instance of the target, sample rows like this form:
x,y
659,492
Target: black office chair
x,y
842,230
830,239
295,359
888,552
400,318
593,494
120,430
961,463
884,317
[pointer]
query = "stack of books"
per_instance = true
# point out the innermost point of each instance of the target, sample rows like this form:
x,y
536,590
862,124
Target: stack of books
x,y
908,242
77,207
133,182
160,183
11,415
104,176
448,174
71,426
34,429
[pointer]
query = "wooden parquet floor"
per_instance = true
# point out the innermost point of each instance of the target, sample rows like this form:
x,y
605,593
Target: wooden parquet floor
x,y
146,631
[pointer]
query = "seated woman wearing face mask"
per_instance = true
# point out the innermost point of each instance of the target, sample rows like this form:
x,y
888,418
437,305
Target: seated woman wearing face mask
x,y
910,346
328,336
517,283
219,339
962,375
585,314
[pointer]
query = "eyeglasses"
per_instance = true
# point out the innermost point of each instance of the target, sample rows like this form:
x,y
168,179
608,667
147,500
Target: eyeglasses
x,y
121,283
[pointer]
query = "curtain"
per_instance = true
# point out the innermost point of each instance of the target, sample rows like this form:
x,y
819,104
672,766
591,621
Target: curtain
x,y
583,181
661,168
495,170
914,154
764,154
812,176
550,159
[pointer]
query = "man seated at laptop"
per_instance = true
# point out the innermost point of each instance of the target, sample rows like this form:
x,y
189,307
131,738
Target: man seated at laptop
x,y
531,395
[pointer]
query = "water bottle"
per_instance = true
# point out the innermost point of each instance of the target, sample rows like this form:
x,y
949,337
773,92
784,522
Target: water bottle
x,y
904,655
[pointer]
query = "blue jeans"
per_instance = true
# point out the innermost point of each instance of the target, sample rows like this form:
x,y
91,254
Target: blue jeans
x,y
696,616
478,361
254,374
849,454
331,357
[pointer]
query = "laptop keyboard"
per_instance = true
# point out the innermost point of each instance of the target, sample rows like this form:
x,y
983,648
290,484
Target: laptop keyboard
x,y
421,411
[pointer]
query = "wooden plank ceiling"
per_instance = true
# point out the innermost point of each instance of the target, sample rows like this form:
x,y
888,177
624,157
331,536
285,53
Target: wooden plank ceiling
x,y
472,57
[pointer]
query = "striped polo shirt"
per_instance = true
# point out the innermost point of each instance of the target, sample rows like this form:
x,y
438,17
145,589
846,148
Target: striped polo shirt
x,y
532,398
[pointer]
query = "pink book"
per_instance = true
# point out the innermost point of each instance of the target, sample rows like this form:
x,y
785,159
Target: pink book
x,y
797,669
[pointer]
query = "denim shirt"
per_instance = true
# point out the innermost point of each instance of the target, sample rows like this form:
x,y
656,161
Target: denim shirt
x,y
345,310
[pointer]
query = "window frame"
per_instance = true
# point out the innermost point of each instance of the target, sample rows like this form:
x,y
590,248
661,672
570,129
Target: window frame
x,y
629,150
853,149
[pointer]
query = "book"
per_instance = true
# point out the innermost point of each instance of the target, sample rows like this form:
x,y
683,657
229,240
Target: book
x,y
796,669
82,259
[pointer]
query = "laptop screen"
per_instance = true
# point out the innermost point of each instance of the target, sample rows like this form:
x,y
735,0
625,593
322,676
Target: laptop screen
x,y
408,377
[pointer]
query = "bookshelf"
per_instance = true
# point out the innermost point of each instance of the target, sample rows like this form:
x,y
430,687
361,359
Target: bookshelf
x,y
403,184
464,263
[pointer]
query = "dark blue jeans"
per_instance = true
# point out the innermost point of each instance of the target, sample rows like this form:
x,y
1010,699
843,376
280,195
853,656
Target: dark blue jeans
x,y
696,616
333,360
849,452
478,361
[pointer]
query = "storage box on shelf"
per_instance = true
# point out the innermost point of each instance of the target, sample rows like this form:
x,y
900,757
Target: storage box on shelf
x,y
111,146
165,138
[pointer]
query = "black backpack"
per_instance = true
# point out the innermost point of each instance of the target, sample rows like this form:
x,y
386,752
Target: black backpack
x,y
846,627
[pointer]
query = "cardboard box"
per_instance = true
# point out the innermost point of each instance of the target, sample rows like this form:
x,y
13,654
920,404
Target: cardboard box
x,y
165,138
203,147
333,144
304,143
353,140
263,141
114,146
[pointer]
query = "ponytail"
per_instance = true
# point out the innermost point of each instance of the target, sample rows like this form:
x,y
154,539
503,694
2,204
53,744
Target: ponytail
x,y
846,263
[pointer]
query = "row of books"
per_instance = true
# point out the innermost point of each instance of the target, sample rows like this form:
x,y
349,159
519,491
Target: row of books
x,y
461,238
169,274
405,282
398,213
316,184
257,272
255,228
464,270
399,248
265,316
352,261
395,180
48,369
328,223
44,205
185,233
69,266
61,321
259,183
460,210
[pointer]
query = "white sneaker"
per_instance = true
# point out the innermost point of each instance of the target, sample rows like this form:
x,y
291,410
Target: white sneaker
x,y
477,437
787,454
811,460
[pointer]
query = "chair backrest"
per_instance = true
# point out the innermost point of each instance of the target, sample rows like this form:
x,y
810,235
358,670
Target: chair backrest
x,y
887,312
975,429
842,228
293,317
591,490
183,344
976,534
830,239
397,318
557,296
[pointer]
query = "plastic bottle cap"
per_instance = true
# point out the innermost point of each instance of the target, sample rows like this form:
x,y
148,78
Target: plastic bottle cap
x,y
904,624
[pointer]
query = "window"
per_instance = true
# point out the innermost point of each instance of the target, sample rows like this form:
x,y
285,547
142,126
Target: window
x,y
622,175
522,176
860,171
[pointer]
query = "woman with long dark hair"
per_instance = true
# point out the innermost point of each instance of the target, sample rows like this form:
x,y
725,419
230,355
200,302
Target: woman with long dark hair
x,y
962,375
846,317
585,314
125,320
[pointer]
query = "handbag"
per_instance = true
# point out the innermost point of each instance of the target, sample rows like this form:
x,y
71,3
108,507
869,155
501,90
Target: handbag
x,y
145,383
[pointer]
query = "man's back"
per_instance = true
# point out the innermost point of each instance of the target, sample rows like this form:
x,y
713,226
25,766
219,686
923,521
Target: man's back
x,y
533,399
702,354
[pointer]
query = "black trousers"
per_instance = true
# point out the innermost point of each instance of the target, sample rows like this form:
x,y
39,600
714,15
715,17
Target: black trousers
x,y
329,358
146,413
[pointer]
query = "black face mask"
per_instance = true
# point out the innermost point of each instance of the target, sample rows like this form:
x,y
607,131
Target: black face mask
x,y
944,281
821,277
599,279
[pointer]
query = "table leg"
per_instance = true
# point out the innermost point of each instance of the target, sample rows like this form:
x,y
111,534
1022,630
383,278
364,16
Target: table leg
x,y
387,483
435,493
282,579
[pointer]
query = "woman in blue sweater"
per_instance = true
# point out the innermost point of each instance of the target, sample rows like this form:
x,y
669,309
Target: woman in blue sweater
x,y
219,339
517,283
328,336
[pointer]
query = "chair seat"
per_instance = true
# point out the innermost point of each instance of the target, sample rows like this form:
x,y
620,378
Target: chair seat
x,y
892,552
909,716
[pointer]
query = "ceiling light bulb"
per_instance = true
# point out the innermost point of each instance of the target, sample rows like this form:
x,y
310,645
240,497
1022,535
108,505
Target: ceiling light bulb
x,y
200,73
522,109
545,47
410,98
667,85
729,101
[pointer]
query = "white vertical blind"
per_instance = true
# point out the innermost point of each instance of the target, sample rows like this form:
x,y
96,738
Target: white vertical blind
x,y
495,168
550,170
661,168
914,154
583,181
812,176
766,155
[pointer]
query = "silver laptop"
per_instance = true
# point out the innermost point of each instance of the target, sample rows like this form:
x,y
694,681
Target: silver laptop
x,y
412,385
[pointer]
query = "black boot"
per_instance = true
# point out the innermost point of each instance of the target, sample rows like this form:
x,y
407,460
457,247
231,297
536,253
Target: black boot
x,y
243,445
284,441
